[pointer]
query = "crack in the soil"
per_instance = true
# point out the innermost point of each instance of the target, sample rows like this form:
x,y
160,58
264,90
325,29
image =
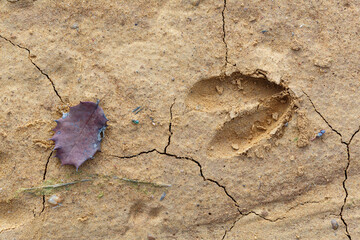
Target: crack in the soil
x,y
46,165
246,214
134,155
264,218
170,124
346,194
44,178
223,187
232,226
333,129
260,216
224,34
356,132
43,204
347,144
36,66
224,37
344,183
302,204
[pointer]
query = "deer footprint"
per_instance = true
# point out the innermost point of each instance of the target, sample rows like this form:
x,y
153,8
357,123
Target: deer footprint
x,y
256,108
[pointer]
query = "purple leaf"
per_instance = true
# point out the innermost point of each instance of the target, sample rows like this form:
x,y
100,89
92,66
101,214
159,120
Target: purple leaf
x,y
78,133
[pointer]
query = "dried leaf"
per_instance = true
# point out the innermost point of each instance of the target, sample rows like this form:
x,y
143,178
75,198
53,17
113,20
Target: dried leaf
x,y
78,133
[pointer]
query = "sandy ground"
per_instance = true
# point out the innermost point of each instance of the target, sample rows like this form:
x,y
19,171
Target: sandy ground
x,y
231,94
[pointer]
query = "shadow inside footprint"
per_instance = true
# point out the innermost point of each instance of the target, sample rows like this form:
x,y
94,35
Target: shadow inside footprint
x,y
247,129
223,93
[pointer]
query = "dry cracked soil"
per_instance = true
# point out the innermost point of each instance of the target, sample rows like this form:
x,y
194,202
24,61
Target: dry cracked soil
x,y
231,96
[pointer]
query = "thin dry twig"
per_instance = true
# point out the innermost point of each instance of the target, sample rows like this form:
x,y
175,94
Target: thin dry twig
x,y
55,185
143,182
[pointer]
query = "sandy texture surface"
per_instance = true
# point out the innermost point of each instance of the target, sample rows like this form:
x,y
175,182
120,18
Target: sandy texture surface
x,y
231,96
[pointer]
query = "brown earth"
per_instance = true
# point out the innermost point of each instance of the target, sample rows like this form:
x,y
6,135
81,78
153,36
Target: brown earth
x,y
232,93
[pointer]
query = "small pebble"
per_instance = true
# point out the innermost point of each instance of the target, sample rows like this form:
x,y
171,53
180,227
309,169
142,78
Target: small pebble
x,y
264,213
300,171
55,199
334,224
150,237
152,121
195,2
235,146
74,26
252,19
219,89
233,114
295,48
239,85
322,63
322,132
275,116
163,196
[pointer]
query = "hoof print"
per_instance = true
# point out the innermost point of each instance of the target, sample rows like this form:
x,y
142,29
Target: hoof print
x,y
261,108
